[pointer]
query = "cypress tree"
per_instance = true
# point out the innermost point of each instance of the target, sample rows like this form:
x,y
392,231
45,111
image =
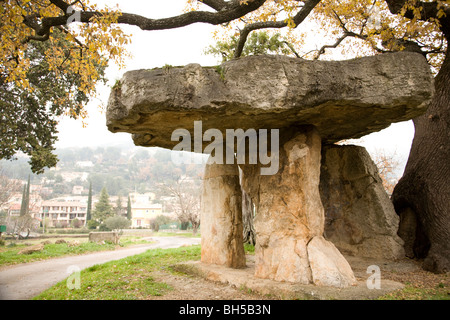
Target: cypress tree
x,y
89,203
24,208
103,208
129,208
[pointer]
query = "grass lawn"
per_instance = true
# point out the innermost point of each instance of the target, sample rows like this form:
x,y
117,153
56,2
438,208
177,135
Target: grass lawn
x,y
176,234
9,253
133,278
126,279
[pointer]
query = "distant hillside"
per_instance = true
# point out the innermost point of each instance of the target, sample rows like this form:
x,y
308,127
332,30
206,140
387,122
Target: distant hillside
x,y
121,169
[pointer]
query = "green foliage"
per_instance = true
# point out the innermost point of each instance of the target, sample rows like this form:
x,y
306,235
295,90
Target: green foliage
x,y
89,204
29,118
117,223
10,256
76,223
130,278
103,208
220,70
167,67
155,223
258,43
129,208
24,207
92,224
118,209
103,227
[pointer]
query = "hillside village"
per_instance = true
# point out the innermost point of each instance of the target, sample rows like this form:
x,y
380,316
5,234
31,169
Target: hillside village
x,y
146,178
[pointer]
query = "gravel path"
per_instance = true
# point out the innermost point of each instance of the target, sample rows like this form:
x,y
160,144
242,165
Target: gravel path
x,y
27,280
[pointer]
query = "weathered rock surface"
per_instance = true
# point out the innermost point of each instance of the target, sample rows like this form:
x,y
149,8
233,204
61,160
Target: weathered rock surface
x,y
221,216
359,216
343,99
32,249
328,266
289,214
310,102
104,236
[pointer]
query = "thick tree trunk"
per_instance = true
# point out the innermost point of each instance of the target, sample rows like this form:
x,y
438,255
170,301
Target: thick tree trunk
x,y
248,215
425,186
247,218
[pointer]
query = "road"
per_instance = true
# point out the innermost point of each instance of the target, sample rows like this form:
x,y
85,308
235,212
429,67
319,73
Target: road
x,y
27,280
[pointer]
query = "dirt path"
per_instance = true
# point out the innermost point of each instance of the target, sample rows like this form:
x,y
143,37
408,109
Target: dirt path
x,y
27,280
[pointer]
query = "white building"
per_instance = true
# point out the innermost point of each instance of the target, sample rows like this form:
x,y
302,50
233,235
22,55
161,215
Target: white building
x,y
63,212
143,213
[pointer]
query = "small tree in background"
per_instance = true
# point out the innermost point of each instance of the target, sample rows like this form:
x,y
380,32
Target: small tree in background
x,y
89,203
129,208
76,223
103,208
25,206
157,222
258,43
118,209
117,223
387,165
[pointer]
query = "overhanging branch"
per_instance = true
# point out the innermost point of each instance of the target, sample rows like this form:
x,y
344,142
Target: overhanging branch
x,y
225,12
298,19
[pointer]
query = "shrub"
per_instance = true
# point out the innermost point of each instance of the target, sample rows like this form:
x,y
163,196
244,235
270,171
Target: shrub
x,y
92,224
103,227
117,223
76,223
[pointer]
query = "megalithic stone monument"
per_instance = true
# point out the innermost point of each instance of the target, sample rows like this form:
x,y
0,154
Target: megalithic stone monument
x,y
309,104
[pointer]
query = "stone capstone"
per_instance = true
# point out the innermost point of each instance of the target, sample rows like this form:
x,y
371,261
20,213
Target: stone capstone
x,y
359,216
342,99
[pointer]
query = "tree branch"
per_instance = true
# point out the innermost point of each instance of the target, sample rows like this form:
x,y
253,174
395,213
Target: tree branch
x,y
298,19
428,10
227,11
215,4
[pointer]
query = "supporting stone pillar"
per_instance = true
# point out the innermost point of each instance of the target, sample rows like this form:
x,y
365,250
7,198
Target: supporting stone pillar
x,y
289,222
221,216
359,216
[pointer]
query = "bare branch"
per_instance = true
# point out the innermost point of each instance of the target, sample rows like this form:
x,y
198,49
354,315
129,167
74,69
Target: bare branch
x,y
229,11
428,10
298,19
215,4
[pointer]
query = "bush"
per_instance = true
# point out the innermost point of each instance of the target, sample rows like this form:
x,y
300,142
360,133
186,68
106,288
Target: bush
x,y
92,224
76,223
117,223
103,227
155,223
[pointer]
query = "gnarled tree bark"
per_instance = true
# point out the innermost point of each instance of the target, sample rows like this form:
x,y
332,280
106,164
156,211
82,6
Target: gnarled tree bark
x,y
425,186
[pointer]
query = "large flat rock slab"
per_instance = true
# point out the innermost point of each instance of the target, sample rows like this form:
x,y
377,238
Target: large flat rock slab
x,y
245,279
343,99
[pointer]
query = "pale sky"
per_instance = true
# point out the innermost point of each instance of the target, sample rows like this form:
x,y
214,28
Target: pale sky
x,y
178,47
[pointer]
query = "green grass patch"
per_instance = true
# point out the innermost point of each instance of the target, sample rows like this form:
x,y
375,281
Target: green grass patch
x,y
409,292
9,254
176,234
130,278
249,249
